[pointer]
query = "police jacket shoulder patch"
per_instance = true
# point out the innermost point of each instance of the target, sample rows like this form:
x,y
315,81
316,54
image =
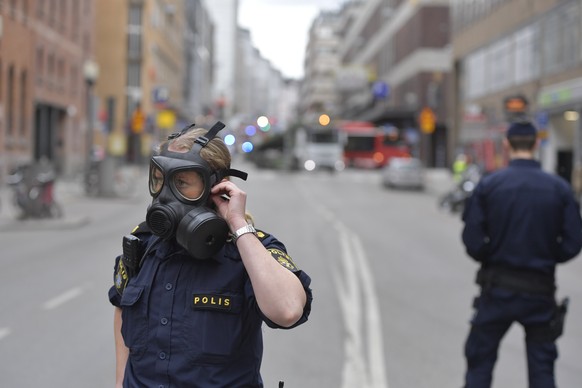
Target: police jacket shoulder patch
x,y
121,276
283,258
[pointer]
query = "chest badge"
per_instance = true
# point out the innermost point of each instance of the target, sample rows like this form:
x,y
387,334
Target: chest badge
x,y
211,302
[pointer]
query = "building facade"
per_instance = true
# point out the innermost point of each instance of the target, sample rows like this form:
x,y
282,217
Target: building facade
x,y
224,14
530,48
396,63
152,56
319,92
43,49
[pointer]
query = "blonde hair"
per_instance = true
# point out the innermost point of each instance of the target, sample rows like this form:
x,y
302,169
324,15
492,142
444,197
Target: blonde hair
x,y
215,153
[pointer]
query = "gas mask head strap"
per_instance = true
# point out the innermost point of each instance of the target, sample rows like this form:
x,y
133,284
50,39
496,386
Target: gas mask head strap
x,y
202,141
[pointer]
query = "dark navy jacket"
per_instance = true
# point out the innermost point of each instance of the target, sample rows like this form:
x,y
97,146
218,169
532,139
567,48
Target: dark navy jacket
x,y
522,217
194,323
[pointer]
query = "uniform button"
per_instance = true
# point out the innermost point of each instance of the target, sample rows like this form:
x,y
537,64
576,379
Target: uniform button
x,y
168,286
164,321
162,356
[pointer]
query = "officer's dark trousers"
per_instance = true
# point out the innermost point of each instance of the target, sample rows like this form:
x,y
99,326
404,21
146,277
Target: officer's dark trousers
x,y
496,310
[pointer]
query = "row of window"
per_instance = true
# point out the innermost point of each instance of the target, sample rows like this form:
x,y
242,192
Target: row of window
x,y
544,47
14,90
467,12
51,72
63,16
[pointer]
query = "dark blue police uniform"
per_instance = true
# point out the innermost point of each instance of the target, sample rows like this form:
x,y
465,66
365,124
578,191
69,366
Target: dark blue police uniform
x,y
194,323
519,223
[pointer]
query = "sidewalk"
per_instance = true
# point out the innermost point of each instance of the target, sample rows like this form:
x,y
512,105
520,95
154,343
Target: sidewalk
x,y
68,191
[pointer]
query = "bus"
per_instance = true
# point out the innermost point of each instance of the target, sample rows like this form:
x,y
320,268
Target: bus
x,y
319,147
370,146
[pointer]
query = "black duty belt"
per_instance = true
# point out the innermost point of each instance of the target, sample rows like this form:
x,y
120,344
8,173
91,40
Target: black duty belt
x,y
521,280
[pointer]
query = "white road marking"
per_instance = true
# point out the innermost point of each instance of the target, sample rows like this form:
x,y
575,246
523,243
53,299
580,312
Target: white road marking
x,y
62,298
360,309
4,332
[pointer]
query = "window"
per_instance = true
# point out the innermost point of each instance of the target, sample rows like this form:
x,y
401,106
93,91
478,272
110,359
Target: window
x,y
133,74
476,74
500,60
39,65
50,70
74,80
527,57
134,45
134,32
23,95
10,102
570,26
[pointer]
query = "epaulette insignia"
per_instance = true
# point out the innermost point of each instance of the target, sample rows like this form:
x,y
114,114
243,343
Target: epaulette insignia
x,y
262,235
121,277
283,259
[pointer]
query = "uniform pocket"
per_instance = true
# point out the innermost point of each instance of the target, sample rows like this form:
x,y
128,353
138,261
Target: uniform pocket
x,y
134,319
212,326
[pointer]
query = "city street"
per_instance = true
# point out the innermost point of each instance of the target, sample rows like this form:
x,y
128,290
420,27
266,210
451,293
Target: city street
x,y
392,288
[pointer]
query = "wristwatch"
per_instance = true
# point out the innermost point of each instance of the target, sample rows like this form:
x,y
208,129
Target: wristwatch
x,y
244,230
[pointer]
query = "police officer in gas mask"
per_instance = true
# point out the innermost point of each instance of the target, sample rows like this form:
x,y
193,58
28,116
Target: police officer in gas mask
x,y
196,280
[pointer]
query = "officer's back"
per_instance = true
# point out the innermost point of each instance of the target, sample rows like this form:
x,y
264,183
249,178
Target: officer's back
x,y
525,212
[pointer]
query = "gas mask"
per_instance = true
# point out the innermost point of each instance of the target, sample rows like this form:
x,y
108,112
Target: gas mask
x,y
180,184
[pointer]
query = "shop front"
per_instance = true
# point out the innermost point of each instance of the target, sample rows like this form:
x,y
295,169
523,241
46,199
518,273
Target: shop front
x,y
558,117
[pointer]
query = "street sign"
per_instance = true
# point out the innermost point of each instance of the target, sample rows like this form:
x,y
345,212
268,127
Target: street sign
x,y
427,120
380,90
137,121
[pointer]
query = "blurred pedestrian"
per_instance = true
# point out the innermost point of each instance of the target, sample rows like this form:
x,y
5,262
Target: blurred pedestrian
x,y
459,167
196,279
519,223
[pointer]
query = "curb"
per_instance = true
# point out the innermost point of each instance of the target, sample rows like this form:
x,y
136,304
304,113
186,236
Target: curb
x,y
15,225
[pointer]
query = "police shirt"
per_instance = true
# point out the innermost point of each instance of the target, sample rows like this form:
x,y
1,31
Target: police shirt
x,y
194,323
522,217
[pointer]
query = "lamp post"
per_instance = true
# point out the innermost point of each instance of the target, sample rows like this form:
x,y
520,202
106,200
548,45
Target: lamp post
x,y
90,73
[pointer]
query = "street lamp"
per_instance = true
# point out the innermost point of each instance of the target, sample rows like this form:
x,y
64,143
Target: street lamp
x,y
90,73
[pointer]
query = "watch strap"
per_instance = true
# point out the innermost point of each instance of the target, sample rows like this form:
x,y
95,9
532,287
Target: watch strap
x,y
244,230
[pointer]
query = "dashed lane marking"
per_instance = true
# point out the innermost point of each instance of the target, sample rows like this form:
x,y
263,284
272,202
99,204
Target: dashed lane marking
x,y
62,298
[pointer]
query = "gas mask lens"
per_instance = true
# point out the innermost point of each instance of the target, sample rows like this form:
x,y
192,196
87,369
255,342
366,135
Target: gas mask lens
x,y
156,180
189,184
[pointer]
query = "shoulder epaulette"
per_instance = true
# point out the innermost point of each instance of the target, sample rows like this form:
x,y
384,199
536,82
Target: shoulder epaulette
x,y
262,235
142,228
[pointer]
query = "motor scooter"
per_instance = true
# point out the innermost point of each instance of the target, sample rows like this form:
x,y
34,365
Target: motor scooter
x,y
33,192
454,200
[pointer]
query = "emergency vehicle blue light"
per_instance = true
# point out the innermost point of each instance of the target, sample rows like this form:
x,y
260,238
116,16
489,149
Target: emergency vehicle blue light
x,y
247,146
229,140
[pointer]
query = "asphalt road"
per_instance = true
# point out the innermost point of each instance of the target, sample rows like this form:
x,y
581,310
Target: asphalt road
x,y
392,289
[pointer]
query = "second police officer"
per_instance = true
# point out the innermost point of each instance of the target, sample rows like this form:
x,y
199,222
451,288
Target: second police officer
x,y
520,223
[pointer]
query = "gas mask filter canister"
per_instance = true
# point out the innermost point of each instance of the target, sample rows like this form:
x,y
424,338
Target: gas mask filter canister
x,y
180,185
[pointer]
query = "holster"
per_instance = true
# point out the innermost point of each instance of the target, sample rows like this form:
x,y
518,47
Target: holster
x,y
521,280
554,329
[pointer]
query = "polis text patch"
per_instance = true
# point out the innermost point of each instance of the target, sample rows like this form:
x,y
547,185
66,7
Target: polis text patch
x,y
212,302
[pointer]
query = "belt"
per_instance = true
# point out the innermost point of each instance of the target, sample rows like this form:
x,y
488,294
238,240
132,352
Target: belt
x,y
519,280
